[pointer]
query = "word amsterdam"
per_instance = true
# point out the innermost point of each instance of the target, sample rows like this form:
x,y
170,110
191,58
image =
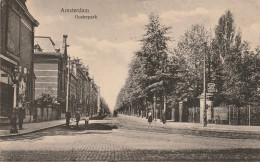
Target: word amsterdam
x,y
73,10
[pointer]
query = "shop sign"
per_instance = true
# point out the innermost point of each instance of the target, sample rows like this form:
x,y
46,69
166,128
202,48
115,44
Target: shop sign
x,y
211,87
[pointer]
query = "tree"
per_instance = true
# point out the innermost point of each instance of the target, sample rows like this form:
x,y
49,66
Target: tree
x,y
148,70
104,106
244,82
230,63
189,53
155,52
46,98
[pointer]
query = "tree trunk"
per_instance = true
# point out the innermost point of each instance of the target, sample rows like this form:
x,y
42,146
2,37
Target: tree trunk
x,y
164,102
161,105
146,107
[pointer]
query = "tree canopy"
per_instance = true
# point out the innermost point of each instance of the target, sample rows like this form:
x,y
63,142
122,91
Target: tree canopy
x,y
177,75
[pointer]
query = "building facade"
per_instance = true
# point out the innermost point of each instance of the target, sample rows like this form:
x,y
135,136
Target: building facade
x,y
94,99
16,56
50,79
83,93
72,93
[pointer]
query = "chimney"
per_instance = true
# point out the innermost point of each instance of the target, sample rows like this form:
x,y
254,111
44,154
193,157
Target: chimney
x,y
64,45
37,48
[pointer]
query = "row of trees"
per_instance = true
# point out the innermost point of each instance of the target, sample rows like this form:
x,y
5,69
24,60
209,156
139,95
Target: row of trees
x,y
104,106
171,76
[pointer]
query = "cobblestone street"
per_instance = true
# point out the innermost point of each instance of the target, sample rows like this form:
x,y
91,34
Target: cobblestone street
x,y
134,140
132,80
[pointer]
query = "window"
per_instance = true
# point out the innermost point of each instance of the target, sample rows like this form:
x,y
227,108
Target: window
x,y
13,33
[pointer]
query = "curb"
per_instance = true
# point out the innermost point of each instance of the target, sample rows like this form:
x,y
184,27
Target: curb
x,y
32,131
158,122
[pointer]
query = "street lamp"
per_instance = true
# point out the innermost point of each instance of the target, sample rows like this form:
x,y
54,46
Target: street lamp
x,y
15,78
68,84
204,87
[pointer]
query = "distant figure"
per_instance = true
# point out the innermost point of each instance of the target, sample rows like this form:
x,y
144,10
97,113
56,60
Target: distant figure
x,y
21,116
68,116
86,121
77,116
205,120
115,113
163,118
150,119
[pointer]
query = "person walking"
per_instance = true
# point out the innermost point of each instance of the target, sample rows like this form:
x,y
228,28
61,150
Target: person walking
x,y
115,113
150,119
21,116
77,116
163,118
68,116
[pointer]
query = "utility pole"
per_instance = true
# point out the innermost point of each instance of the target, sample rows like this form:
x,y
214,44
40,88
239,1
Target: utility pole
x,y
68,84
204,87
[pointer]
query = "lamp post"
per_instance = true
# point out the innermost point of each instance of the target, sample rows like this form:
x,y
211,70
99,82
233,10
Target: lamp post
x,y
204,87
15,78
68,84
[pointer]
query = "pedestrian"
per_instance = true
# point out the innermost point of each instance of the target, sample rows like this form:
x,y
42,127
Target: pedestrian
x,y
68,116
163,118
77,116
21,115
150,117
205,120
86,121
115,113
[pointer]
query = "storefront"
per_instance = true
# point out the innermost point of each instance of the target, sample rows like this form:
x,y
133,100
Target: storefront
x,y
6,89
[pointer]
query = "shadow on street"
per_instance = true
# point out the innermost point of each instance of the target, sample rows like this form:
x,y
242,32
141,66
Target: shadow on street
x,y
64,131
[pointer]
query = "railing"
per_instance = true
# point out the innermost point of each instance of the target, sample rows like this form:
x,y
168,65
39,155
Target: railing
x,y
194,115
232,115
247,115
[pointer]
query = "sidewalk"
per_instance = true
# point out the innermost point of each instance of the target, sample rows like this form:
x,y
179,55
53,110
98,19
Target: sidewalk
x,y
33,127
198,126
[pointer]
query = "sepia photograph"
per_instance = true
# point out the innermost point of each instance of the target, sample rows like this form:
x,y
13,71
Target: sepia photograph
x,y
130,80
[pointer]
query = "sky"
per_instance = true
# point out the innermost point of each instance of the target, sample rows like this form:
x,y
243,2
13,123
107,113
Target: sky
x,y
108,43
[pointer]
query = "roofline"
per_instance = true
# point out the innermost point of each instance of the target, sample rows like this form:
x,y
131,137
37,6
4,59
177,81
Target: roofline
x,y
48,54
46,37
36,23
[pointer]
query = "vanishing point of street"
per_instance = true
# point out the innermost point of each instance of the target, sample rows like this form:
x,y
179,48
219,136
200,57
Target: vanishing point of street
x,y
128,138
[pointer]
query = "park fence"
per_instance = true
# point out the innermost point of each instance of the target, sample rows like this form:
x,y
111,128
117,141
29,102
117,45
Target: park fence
x,y
232,115
194,115
247,115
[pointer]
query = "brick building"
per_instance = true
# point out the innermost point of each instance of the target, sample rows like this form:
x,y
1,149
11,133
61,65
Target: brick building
x,y
94,98
16,54
50,71
72,102
83,92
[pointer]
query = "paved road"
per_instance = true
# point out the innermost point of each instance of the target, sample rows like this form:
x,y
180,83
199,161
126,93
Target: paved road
x,y
133,140
140,124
